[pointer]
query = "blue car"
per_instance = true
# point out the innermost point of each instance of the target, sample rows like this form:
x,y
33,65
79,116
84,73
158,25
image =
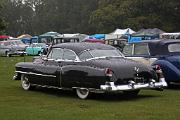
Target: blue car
x,y
35,48
164,53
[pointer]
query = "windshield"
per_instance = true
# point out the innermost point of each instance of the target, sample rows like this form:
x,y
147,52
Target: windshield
x,y
105,53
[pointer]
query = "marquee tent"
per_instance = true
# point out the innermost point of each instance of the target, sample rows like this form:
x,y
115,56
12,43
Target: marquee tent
x,y
24,36
4,37
126,31
148,32
145,34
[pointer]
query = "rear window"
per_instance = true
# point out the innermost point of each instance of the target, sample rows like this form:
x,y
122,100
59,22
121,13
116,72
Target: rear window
x,y
174,47
141,49
128,49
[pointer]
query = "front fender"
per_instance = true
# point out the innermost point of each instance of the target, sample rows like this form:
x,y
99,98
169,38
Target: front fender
x,y
171,72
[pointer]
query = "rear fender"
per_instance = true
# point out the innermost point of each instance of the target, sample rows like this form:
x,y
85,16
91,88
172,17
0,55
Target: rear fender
x,y
170,71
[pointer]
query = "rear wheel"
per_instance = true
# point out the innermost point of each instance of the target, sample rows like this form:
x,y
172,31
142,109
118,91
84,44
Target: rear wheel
x,y
82,92
8,54
132,93
25,82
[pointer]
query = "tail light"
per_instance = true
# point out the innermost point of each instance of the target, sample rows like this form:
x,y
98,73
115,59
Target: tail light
x,y
159,72
158,69
108,72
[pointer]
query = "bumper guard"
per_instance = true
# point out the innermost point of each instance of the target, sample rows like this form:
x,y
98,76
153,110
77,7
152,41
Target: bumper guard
x,y
110,86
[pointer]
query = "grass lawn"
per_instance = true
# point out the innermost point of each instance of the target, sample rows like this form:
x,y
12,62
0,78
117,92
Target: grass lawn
x,y
51,104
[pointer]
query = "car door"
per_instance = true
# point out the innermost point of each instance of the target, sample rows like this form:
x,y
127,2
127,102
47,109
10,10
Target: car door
x,y
29,50
72,70
37,50
49,71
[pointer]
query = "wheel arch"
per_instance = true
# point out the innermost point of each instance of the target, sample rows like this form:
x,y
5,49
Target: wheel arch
x,y
170,71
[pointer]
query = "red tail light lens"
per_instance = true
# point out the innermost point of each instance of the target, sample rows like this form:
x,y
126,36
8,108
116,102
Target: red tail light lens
x,y
157,67
108,72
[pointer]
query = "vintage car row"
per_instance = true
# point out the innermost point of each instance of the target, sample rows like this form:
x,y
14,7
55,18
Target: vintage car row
x,y
165,53
88,67
12,47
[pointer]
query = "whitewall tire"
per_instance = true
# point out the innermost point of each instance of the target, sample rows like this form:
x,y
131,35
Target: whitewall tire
x,y
25,82
82,93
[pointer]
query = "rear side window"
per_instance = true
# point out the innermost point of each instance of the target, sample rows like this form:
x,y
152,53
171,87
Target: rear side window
x,y
85,55
69,55
141,49
128,49
174,47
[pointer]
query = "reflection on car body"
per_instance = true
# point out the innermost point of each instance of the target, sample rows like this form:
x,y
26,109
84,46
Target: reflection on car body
x,y
88,67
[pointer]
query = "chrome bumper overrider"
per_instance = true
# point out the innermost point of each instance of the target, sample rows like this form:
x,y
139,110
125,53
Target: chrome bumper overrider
x,y
110,86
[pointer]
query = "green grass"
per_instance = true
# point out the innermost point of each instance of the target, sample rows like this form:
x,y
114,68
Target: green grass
x,y
51,104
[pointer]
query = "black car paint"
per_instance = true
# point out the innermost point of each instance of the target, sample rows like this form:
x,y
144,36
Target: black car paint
x,y
86,74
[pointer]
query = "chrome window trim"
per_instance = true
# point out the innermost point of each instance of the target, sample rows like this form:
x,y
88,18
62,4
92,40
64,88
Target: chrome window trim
x,y
51,51
76,59
87,50
31,73
62,59
94,58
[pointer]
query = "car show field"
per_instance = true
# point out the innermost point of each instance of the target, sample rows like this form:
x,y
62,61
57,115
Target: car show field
x,y
43,103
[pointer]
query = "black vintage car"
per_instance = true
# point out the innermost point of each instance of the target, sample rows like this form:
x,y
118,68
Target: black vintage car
x,y
88,67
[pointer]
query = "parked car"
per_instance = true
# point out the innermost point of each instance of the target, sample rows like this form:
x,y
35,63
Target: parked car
x,y
88,67
164,53
12,47
118,43
62,39
35,48
17,42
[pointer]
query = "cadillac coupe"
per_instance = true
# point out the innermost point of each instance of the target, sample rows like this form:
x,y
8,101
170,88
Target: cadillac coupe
x,y
88,67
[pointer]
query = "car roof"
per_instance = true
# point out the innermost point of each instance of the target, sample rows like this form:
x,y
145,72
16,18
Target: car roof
x,y
160,41
79,47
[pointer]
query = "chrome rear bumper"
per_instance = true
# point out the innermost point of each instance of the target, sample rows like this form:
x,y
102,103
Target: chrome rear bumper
x,y
110,86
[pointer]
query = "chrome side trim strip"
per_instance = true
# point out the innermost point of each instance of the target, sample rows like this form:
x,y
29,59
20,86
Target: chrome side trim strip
x,y
51,87
31,73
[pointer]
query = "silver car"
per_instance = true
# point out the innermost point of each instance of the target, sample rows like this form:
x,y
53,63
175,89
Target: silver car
x,y
12,47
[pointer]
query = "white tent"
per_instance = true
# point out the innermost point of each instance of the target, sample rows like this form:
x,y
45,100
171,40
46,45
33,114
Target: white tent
x,y
123,31
170,35
75,35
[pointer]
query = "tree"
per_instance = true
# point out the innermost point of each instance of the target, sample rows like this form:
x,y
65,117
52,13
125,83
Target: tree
x,y
137,14
2,22
18,16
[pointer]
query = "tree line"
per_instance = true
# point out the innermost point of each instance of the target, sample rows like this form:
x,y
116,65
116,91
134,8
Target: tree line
x,y
87,16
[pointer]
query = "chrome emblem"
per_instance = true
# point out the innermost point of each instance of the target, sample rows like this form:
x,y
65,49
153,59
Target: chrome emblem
x,y
136,69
